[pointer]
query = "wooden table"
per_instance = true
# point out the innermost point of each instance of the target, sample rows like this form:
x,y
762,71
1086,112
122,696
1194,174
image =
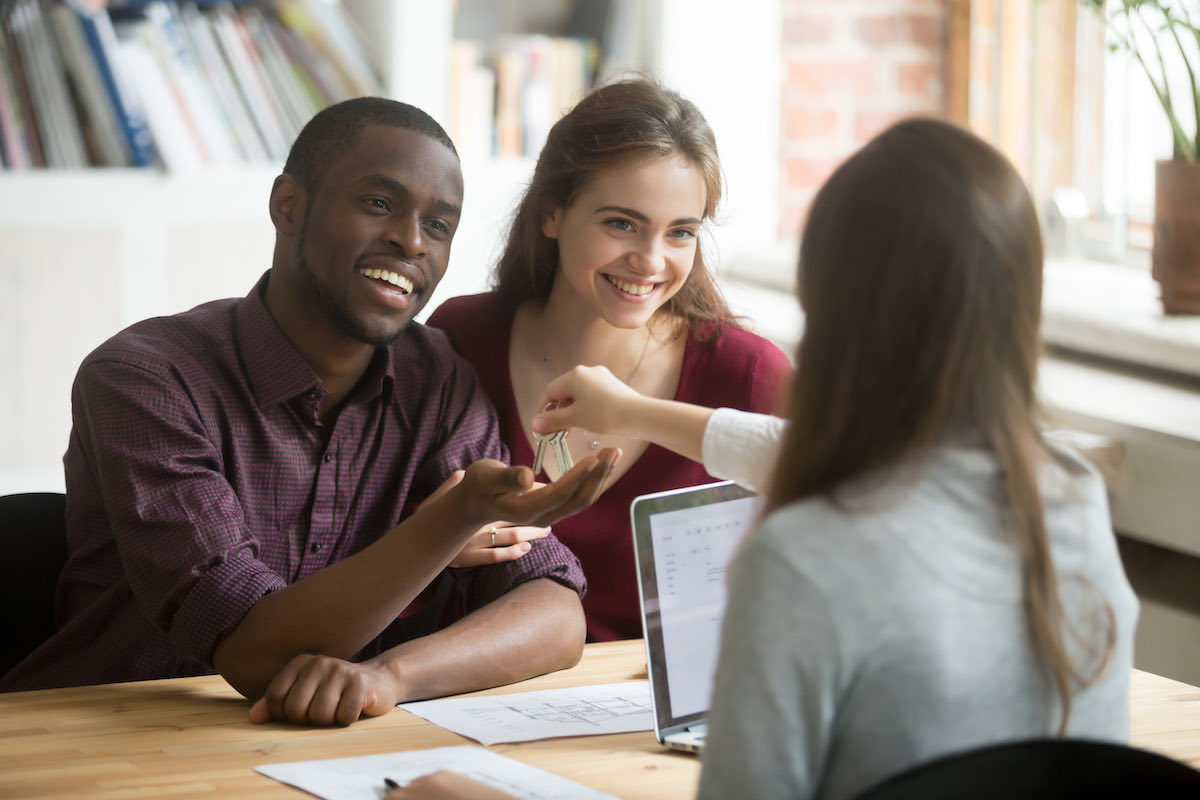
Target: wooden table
x,y
189,737
1164,715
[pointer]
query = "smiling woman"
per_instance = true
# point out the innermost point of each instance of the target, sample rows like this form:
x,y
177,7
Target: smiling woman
x,y
603,266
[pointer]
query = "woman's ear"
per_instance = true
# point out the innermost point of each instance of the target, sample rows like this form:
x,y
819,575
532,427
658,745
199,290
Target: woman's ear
x,y
550,223
287,205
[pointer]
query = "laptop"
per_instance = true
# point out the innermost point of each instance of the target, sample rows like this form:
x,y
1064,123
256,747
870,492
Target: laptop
x,y
683,539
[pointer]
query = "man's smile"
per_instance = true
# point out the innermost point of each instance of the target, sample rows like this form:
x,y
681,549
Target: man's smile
x,y
395,279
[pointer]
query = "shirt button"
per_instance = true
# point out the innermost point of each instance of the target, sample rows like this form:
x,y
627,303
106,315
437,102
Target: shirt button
x,y
315,547
328,457
312,395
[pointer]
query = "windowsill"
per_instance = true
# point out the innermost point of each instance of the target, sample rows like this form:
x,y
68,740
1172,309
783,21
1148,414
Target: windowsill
x,y
1113,312
1091,310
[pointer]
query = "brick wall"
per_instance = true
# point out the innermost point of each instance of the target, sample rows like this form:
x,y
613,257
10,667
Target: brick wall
x,y
851,67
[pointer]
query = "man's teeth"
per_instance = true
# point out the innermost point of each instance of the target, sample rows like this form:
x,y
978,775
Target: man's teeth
x,y
638,289
403,283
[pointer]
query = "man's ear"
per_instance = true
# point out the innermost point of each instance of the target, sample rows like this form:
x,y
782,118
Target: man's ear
x,y
287,205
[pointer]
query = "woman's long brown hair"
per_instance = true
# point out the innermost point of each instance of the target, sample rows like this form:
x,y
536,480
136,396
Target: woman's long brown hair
x,y
921,280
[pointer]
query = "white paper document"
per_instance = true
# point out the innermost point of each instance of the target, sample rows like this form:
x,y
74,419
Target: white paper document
x,y
548,714
361,778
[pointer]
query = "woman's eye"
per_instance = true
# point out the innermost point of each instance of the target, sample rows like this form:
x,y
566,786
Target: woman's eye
x,y
620,224
682,233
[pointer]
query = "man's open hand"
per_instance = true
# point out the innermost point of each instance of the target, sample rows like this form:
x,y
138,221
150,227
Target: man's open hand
x,y
491,490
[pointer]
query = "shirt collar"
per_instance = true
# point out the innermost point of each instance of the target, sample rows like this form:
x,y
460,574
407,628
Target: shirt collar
x,y
380,377
275,369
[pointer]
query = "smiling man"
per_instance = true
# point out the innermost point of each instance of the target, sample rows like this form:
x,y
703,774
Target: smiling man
x,y
242,477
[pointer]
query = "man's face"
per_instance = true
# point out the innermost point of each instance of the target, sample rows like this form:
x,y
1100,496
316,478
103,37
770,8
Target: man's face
x,y
375,239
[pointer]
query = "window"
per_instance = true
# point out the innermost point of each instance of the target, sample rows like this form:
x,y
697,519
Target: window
x,y
1076,114
1043,81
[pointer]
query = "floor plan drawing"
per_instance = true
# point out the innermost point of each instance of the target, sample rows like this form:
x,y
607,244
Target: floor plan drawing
x,y
589,712
525,716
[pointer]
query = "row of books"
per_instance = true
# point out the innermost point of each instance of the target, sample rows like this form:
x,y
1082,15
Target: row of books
x,y
506,93
179,84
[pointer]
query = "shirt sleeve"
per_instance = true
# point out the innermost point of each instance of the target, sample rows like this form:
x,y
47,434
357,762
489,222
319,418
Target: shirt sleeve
x,y
774,695
547,558
742,446
178,526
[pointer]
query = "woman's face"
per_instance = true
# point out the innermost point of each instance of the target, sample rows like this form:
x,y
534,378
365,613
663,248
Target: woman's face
x,y
628,241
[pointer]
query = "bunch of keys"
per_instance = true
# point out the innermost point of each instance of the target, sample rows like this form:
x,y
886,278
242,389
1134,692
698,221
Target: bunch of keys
x,y
558,441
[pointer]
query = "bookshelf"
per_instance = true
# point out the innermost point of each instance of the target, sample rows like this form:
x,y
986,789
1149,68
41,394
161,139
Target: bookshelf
x,y
88,251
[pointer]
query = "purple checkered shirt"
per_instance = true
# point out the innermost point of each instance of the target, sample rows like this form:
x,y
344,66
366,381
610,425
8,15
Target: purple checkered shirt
x,y
199,478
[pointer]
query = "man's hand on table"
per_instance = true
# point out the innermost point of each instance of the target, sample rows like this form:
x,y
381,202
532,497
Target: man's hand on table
x,y
322,690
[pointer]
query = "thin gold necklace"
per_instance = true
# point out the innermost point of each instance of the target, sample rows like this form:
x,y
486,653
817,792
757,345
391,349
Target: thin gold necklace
x,y
592,442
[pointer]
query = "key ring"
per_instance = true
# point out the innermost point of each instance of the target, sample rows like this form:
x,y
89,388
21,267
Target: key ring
x,y
557,442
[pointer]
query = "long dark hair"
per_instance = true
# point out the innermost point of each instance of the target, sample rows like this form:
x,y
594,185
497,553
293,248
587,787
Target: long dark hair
x,y
921,280
616,124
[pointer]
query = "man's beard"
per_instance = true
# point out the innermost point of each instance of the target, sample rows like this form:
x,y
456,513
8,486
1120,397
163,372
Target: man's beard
x,y
336,308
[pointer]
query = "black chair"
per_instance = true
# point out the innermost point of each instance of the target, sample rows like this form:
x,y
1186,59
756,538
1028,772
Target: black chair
x,y
33,551
1044,769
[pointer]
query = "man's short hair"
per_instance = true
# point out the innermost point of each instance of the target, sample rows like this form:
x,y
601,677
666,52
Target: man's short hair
x,y
333,130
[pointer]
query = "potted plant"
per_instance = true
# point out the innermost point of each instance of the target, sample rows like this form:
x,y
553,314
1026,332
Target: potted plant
x,y
1155,33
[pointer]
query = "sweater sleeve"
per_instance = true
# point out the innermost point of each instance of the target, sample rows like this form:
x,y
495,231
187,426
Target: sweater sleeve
x,y
775,692
742,446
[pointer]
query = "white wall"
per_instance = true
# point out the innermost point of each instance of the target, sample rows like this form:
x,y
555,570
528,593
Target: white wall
x,y
726,58
84,254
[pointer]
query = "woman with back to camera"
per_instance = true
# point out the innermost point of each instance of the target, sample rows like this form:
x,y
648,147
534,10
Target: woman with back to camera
x,y
931,575
603,267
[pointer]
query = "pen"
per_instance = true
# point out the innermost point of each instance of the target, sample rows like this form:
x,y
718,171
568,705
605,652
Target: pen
x,y
391,784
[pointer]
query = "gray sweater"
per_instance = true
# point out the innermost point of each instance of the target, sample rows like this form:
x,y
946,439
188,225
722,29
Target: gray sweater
x,y
863,639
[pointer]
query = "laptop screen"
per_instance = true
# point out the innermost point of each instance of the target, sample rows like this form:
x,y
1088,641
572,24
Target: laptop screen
x,y
683,541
